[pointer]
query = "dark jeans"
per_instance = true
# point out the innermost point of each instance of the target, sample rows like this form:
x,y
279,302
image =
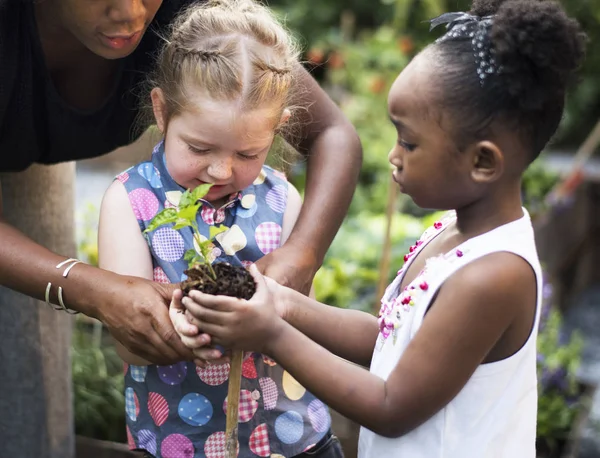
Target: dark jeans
x,y
328,447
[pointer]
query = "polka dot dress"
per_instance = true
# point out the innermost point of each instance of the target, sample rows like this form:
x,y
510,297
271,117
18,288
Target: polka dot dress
x,y
178,410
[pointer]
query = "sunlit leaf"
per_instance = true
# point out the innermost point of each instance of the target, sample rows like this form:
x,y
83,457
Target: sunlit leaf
x,y
168,215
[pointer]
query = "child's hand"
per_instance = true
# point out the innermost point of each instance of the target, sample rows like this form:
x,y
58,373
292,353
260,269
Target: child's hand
x,y
236,323
191,336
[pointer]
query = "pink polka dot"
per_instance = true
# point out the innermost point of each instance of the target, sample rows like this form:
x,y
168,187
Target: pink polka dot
x,y
247,264
144,204
215,374
160,276
177,446
214,447
247,409
158,408
208,214
268,237
259,441
130,441
123,177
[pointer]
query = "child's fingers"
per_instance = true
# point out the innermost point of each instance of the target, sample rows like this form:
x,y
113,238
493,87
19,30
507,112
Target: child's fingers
x,y
182,326
195,342
258,277
209,354
198,302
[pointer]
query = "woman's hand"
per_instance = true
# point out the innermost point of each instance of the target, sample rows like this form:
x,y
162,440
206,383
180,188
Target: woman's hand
x,y
136,314
237,323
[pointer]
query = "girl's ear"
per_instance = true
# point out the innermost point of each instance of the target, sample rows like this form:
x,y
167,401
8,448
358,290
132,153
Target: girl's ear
x,y
285,117
159,108
488,162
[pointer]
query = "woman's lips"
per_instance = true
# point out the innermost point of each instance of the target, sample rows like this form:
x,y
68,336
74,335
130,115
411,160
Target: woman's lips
x,y
120,41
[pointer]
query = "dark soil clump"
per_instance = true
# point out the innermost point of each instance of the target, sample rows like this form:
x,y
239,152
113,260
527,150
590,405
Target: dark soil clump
x,y
231,281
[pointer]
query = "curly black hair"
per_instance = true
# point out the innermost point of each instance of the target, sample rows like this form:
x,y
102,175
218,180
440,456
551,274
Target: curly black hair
x,y
538,47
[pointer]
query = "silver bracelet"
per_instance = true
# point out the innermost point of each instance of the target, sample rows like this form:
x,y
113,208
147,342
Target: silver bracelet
x,y
68,269
47,297
62,305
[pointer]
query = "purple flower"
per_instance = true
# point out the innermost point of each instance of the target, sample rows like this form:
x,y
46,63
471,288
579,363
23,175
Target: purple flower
x,y
555,379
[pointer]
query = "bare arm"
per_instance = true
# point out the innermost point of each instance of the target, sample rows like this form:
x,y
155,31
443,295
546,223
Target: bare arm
x,y
134,310
122,248
472,312
349,334
334,155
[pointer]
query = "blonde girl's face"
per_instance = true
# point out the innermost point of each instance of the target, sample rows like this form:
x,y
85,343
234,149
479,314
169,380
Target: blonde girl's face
x,y
216,144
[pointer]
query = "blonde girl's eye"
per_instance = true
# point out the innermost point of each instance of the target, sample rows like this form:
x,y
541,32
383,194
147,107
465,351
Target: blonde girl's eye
x,y
195,150
248,157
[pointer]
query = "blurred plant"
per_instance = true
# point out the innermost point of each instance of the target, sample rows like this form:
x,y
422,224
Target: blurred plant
x,y
87,234
97,370
99,402
538,181
559,392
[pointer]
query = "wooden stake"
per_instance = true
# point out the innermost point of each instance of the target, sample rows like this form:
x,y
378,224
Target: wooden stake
x,y
233,404
574,178
386,251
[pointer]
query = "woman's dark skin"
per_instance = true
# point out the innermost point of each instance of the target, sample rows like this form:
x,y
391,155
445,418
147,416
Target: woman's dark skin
x,y
81,42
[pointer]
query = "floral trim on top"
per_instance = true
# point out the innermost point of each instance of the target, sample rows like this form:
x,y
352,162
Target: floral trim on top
x,y
394,308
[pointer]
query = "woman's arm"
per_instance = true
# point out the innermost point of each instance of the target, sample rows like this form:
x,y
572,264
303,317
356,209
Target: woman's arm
x,y
473,310
334,155
134,310
121,247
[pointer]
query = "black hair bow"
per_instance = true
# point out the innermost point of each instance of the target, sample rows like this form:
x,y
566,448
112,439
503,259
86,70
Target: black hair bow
x,y
462,26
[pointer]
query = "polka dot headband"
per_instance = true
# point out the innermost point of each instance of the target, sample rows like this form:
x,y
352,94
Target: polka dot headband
x,y
464,25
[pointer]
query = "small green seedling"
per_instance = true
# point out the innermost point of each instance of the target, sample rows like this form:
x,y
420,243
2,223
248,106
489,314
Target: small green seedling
x,y
183,216
233,281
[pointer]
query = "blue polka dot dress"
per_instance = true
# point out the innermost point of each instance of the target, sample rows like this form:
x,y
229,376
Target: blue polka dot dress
x,y
178,411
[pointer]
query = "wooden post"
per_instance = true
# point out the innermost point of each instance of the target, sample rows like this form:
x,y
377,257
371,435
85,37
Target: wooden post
x,y
233,404
571,182
386,251
36,413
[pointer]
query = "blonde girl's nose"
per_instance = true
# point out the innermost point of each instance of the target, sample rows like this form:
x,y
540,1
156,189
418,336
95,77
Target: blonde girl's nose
x,y
221,168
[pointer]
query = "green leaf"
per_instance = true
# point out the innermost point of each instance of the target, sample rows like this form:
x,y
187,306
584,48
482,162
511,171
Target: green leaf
x,y
168,215
181,223
200,191
190,255
189,213
191,197
186,200
205,248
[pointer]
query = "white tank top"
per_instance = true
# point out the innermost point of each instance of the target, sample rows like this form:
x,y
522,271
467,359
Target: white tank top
x,y
494,415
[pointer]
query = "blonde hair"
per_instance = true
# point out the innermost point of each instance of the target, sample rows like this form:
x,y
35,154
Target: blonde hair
x,y
229,50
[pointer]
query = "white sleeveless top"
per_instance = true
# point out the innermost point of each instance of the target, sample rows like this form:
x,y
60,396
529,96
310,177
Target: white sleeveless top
x,y
494,415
